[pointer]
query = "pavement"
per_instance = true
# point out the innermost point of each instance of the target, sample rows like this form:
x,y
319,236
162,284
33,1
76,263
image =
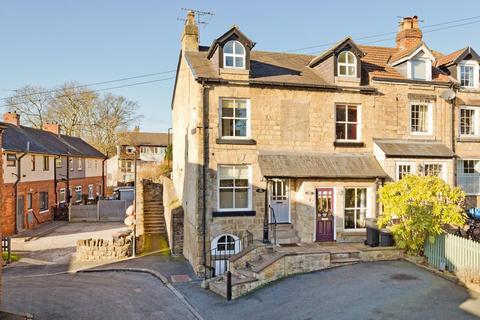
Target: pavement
x,y
160,286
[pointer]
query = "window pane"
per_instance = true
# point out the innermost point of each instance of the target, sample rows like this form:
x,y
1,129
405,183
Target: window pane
x,y
351,71
341,113
349,219
239,48
241,198
239,62
227,127
350,58
352,131
240,113
342,57
418,70
226,183
228,47
352,113
241,183
241,172
226,198
226,172
342,70
227,112
361,216
240,128
340,131
361,198
229,61
349,198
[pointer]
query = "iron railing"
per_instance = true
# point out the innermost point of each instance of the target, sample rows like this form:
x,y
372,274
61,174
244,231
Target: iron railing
x,y
273,224
218,263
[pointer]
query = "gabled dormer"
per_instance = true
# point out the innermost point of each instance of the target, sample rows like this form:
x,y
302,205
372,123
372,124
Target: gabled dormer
x,y
414,63
462,65
340,63
231,51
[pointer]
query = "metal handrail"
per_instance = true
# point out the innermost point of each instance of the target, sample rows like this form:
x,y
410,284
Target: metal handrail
x,y
273,224
224,255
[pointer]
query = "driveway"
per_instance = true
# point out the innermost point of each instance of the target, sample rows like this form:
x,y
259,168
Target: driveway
x,y
105,296
379,290
54,252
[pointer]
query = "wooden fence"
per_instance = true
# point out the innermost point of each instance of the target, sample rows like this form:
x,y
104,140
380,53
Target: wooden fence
x,y
453,253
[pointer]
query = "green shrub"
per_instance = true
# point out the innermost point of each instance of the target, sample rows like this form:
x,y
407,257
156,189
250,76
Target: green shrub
x,y
418,208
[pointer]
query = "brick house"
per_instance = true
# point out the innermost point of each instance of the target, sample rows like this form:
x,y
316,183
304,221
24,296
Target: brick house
x,y
306,141
2,127
41,168
151,146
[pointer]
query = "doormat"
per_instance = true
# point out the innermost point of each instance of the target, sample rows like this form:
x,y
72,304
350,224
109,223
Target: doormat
x,y
289,245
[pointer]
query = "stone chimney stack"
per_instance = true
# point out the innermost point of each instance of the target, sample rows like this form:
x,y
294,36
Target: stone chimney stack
x,y
409,34
190,34
12,118
52,127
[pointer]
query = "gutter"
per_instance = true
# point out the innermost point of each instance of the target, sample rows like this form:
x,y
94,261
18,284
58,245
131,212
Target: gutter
x,y
17,181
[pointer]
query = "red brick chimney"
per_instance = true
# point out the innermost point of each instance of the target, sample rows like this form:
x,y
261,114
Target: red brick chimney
x,y
52,127
409,34
12,118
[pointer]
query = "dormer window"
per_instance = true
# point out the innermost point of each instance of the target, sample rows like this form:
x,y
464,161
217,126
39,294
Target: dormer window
x,y
468,74
347,64
234,55
419,69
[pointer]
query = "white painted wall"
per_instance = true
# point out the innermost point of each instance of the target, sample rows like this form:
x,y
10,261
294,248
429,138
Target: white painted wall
x,y
9,173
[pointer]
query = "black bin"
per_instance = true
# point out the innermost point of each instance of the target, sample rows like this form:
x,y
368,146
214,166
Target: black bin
x,y
386,238
373,234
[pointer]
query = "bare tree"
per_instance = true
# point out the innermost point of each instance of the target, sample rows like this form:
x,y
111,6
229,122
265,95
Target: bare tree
x,y
31,102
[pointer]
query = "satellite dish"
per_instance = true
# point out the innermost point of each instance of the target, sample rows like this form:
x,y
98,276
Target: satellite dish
x,y
448,95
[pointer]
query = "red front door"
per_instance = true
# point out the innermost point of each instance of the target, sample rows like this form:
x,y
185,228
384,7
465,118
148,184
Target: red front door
x,y
324,213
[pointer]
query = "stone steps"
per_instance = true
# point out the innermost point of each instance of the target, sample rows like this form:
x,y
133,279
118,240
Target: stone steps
x,y
285,233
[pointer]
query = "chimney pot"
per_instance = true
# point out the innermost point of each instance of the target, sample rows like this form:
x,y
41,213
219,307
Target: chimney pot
x,y
409,33
12,118
52,127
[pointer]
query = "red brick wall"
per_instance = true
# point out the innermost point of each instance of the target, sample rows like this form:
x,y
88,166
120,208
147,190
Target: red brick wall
x,y
1,202
84,182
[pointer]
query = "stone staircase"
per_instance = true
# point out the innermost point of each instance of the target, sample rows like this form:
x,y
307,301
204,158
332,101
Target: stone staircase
x,y
153,217
285,234
260,264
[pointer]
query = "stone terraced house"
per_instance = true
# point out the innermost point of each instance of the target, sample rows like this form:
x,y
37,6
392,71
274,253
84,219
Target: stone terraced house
x,y
44,170
307,140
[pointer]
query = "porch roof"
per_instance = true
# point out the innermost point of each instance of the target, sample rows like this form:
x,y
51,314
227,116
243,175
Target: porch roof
x,y
414,148
320,165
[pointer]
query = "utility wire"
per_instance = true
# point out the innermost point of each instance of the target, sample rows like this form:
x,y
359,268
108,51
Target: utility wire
x,y
286,51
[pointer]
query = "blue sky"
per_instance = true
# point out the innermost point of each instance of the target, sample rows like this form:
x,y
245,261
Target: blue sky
x,y
46,42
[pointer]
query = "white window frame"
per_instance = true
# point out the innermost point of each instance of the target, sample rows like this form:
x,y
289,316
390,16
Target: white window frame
x,y
469,63
428,69
79,164
359,122
45,209
62,195
58,162
249,189
476,121
78,188
235,55
429,118
90,192
221,118
397,168
347,64
367,207
71,163
11,160
443,174
462,177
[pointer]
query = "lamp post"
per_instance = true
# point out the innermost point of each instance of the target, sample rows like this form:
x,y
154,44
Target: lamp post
x,y
134,244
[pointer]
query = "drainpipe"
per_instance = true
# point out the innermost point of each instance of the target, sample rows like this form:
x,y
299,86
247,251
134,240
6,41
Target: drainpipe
x,y
265,218
453,138
55,183
68,178
17,181
204,108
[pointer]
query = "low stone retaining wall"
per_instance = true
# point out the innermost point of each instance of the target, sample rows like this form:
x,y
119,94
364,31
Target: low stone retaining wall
x,y
101,249
173,216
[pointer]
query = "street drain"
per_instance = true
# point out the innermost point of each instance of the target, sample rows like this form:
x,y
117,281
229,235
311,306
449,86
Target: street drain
x,y
402,277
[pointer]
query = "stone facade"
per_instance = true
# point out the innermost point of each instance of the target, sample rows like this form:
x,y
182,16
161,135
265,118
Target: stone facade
x,y
293,119
100,249
174,217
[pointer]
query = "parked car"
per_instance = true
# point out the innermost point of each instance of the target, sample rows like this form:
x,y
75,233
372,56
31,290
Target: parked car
x,y
124,193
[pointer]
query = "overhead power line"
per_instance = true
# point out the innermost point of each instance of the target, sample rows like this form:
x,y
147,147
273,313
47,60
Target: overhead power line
x,y
448,23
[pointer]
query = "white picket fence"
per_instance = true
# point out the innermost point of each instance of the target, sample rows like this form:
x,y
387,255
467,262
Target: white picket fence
x,y
453,252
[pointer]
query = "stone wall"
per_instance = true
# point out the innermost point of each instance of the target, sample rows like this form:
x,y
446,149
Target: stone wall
x,y
173,216
120,246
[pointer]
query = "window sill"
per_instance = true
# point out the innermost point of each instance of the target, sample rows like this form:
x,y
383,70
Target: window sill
x,y
239,213
44,211
237,141
349,144
468,139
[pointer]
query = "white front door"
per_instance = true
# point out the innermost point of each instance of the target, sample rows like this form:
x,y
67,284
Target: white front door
x,y
279,200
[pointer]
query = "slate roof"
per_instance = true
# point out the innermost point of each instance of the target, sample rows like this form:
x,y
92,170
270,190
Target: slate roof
x,y
44,142
144,139
293,69
320,165
414,148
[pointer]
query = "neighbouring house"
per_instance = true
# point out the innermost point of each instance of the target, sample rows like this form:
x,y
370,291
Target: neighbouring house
x,y
2,127
43,171
151,148
305,141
